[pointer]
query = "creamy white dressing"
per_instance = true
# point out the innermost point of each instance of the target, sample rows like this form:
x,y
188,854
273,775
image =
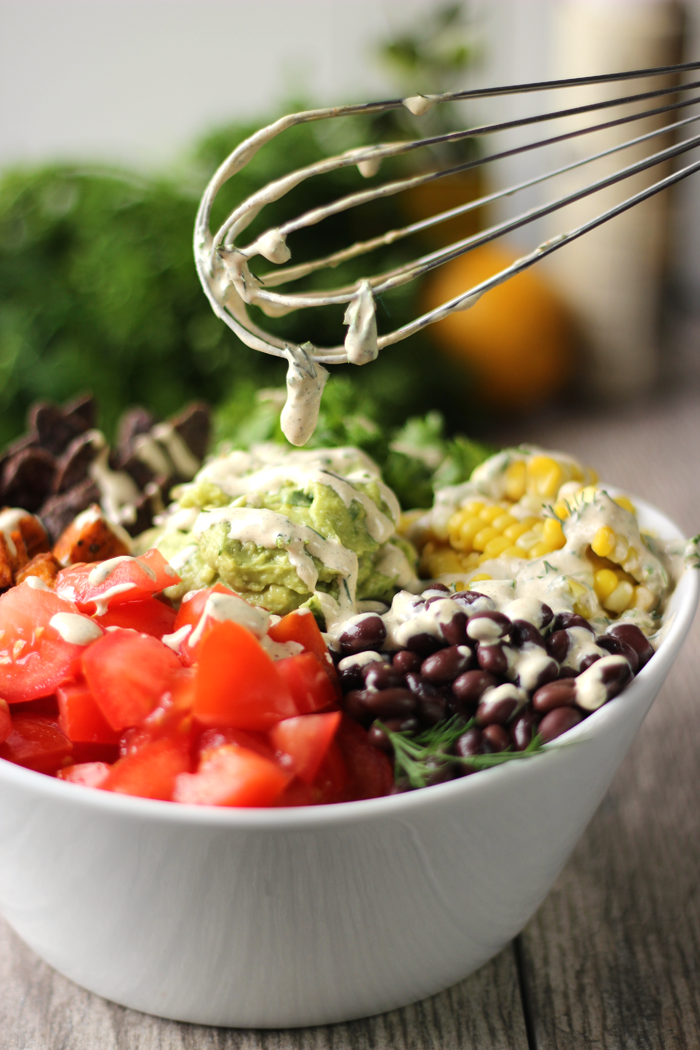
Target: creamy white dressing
x,y
590,688
361,338
36,583
10,518
305,382
75,629
118,491
175,640
104,569
229,607
103,600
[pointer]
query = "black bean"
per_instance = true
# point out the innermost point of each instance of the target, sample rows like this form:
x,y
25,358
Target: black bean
x,y
467,598
443,770
430,591
455,630
523,728
492,658
351,678
354,705
383,676
424,644
378,737
522,632
588,661
570,619
546,616
468,745
488,626
554,695
470,686
631,635
496,737
557,722
497,709
612,644
612,673
361,633
389,703
615,677
547,673
406,661
558,645
566,672
432,710
445,665
431,702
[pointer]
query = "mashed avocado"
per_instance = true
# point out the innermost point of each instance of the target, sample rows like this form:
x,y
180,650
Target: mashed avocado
x,y
289,528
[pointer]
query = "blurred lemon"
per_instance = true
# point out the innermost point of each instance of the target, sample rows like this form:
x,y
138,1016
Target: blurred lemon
x,y
516,341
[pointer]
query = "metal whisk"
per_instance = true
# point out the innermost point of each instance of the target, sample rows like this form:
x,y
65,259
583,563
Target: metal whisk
x,y
223,262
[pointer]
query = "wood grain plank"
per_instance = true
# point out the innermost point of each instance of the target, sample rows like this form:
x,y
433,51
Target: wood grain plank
x,y
40,1010
612,959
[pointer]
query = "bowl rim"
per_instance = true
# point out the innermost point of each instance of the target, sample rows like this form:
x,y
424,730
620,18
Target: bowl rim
x,y
302,818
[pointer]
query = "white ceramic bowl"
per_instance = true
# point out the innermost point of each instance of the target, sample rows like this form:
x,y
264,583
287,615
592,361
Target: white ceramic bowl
x,y
276,918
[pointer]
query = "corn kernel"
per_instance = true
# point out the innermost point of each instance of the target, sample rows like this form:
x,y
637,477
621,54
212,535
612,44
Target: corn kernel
x,y
626,504
644,599
527,540
473,507
515,481
483,537
460,585
480,576
604,541
620,598
462,537
605,582
471,561
540,549
544,477
441,561
552,533
513,552
514,531
593,475
489,514
496,547
561,509
504,521
588,494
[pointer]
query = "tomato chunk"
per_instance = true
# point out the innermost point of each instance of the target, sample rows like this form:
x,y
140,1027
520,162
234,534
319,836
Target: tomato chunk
x,y
80,718
5,721
310,686
37,743
97,587
34,656
148,616
300,626
370,774
232,776
304,741
151,771
193,604
89,774
237,684
127,673
212,739
328,785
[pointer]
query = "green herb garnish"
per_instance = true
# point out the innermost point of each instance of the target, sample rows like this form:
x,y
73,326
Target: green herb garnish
x,y
417,758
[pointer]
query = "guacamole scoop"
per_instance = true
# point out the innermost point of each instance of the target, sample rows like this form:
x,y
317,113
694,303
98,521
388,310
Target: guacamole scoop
x,y
285,528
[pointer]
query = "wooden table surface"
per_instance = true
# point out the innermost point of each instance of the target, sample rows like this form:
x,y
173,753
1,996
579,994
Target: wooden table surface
x,y
612,958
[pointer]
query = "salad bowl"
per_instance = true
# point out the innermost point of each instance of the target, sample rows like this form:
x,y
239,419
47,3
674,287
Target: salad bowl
x,y
273,918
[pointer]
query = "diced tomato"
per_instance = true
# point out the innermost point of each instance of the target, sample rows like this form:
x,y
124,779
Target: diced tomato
x,y
192,606
232,776
89,774
126,580
370,774
34,658
5,721
328,786
215,605
79,716
151,771
37,743
304,741
212,739
148,616
43,705
83,753
300,626
127,673
238,685
310,686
